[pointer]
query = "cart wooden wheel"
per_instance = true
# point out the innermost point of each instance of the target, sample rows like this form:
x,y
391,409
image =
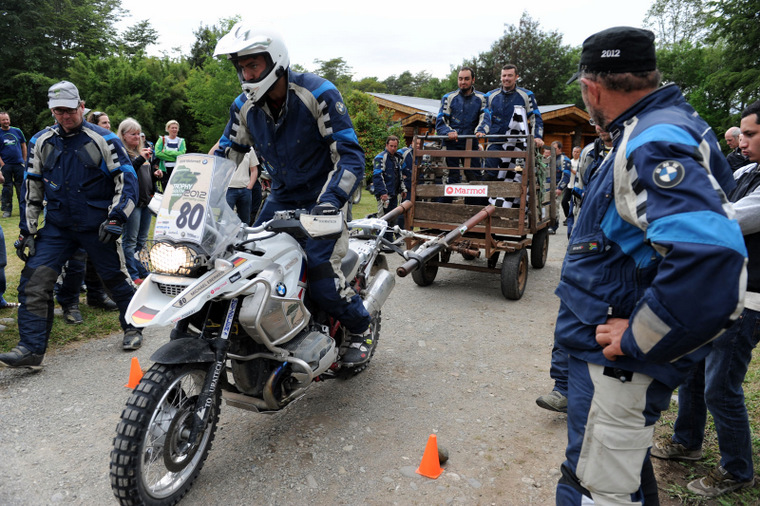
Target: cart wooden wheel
x,y
467,256
539,250
425,275
514,274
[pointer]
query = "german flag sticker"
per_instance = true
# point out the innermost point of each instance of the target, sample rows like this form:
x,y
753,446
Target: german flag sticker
x,y
144,315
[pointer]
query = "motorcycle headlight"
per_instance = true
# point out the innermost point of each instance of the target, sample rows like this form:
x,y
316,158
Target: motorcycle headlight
x,y
176,259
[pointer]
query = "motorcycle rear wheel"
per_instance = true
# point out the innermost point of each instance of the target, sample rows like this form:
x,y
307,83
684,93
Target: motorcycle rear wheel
x,y
147,465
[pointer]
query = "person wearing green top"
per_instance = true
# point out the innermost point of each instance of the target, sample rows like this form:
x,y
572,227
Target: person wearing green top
x,y
168,148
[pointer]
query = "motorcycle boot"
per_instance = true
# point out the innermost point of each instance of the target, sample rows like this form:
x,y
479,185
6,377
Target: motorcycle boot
x,y
21,357
102,302
358,349
132,339
71,314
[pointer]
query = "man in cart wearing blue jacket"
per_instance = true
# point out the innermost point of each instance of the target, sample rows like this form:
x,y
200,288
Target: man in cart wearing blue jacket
x,y
503,105
654,271
462,112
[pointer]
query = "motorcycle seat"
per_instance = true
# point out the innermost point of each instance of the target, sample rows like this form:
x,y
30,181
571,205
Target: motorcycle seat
x,y
349,264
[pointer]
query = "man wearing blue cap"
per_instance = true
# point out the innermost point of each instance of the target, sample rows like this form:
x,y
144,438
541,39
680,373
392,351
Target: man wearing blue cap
x,y
655,269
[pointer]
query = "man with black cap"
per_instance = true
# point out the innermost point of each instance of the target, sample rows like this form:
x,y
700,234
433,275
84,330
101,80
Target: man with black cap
x,y
81,176
655,269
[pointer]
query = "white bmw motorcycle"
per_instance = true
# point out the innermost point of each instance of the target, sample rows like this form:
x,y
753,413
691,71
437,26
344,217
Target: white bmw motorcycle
x,y
243,326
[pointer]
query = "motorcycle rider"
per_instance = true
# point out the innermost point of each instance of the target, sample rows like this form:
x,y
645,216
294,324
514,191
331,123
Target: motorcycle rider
x,y
299,123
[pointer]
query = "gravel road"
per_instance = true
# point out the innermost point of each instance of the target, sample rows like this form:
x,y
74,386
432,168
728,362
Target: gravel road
x,y
454,359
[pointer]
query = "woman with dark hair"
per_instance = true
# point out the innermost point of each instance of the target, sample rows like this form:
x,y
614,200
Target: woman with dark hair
x,y
99,118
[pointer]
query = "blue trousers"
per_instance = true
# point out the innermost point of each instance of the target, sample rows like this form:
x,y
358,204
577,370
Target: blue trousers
x,y
3,263
610,424
327,287
558,370
135,235
14,178
239,199
716,384
256,198
54,246
77,270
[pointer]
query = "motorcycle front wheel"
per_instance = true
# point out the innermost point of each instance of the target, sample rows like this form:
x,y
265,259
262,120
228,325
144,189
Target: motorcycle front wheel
x,y
149,462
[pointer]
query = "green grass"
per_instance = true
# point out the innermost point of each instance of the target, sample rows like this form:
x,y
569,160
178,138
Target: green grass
x,y
368,205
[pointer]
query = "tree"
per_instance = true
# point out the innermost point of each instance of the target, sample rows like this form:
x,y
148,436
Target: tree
x,y
676,21
206,38
210,92
736,27
436,88
78,26
372,126
408,84
151,90
369,85
40,40
336,70
708,48
543,63
136,38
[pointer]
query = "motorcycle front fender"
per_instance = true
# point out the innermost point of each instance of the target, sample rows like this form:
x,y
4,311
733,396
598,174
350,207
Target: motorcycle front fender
x,y
184,351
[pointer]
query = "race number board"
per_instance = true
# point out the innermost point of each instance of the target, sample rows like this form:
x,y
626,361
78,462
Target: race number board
x,y
182,215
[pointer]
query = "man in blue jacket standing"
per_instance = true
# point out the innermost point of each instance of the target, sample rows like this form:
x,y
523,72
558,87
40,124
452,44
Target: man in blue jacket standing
x,y
12,158
462,112
388,179
299,123
655,269
504,105
81,176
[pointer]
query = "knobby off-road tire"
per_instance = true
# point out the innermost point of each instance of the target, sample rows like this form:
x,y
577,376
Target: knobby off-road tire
x,y
147,466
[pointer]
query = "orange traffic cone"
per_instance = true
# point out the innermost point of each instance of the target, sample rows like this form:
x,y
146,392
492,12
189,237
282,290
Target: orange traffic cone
x,y
430,466
135,373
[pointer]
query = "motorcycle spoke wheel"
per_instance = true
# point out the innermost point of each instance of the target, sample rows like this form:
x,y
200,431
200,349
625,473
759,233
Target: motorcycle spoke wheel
x,y
150,463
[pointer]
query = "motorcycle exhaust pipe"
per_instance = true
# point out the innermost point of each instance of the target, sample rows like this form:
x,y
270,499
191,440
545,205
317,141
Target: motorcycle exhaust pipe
x,y
378,291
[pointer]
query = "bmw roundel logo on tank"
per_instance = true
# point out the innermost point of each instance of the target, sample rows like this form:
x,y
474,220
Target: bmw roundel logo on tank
x,y
281,290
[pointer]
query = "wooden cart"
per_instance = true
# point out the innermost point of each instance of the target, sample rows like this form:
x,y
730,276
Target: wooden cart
x,y
511,231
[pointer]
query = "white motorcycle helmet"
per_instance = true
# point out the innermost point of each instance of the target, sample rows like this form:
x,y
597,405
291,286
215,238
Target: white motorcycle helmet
x,y
246,40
